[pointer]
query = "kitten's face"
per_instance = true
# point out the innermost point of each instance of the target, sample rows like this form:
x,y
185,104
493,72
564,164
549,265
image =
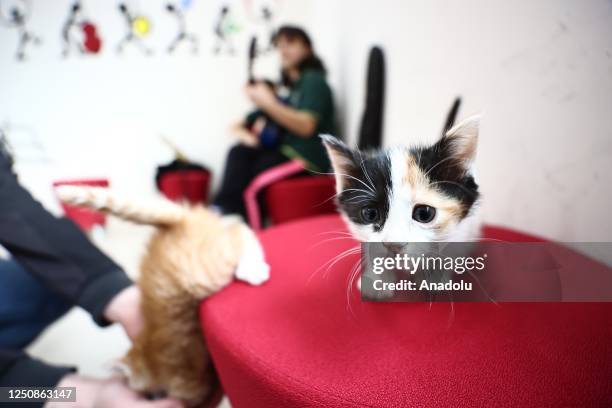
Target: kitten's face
x,y
420,194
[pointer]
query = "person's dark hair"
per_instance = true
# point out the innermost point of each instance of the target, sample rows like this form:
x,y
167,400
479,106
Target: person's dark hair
x,y
312,61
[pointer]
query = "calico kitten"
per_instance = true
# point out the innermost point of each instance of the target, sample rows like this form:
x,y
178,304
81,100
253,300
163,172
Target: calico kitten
x,y
192,254
403,195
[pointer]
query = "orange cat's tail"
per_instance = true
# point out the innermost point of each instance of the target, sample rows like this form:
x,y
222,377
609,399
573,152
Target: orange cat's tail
x,y
162,212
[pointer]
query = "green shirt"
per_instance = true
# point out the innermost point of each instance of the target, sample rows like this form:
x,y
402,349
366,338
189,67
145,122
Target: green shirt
x,y
311,94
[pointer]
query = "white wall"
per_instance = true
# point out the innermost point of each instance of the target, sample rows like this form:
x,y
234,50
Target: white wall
x,y
541,73
102,115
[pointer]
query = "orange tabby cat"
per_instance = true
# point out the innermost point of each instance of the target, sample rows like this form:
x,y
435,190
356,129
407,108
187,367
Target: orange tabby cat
x,y
192,254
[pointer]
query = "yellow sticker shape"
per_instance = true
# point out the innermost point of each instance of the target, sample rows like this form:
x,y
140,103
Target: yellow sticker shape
x,y
141,26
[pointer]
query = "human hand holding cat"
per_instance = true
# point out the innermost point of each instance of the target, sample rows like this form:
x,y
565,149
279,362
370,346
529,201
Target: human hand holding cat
x,y
107,393
124,309
261,95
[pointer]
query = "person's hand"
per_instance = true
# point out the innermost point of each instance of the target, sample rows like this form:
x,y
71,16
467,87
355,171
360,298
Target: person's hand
x,y
261,95
249,139
259,125
125,309
107,393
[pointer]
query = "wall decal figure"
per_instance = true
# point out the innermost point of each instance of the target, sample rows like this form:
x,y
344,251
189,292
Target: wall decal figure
x,y
262,14
138,27
79,34
268,22
225,29
182,34
14,14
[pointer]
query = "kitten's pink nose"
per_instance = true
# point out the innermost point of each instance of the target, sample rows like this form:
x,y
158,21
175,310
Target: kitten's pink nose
x,y
394,247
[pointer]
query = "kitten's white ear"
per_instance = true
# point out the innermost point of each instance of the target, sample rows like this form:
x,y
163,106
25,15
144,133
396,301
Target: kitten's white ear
x,y
341,158
462,139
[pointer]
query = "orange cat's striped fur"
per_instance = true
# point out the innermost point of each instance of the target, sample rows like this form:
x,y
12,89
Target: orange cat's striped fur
x,y
192,254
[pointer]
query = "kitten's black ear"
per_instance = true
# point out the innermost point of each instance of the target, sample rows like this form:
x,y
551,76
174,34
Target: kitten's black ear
x,y
461,140
341,157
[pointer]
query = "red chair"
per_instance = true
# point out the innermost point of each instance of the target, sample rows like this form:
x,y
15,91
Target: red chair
x,y
289,198
300,197
85,218
299,341
185,184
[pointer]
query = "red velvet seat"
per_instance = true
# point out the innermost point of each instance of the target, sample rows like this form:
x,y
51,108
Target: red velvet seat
x,y
298,341
190,185
300,197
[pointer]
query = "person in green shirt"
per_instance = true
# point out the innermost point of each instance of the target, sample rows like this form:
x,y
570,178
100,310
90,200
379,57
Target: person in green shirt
x,y
307,112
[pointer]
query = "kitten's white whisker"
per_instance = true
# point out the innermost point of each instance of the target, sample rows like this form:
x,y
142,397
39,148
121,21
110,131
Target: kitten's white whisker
x,y
365,172
326,200
362,197
369,194
437,164
361,181
331,262
371,189
328,240
348,253
359,190
359,200
319,173
481,287
335,232
355,271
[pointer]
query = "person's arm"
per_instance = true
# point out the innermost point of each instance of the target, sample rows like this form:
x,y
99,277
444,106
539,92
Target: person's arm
x,y
19,369
59,255
55,251
299,122
245,136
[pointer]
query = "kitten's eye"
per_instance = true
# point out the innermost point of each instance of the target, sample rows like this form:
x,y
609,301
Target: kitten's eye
x,y
423,213
369,214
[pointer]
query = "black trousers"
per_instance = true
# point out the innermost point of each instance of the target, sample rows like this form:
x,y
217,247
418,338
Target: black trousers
x,y
243,164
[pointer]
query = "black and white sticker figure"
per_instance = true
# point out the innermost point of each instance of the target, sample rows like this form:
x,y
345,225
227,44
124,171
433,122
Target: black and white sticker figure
x,y
262,14
79,34
224,30
268,22
15,14
138,27
182,36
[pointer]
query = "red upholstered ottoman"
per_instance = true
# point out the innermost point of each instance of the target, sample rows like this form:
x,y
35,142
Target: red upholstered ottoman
x,y
298,341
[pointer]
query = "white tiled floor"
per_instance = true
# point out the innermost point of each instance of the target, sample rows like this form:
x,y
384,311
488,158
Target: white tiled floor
x,y
75,339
